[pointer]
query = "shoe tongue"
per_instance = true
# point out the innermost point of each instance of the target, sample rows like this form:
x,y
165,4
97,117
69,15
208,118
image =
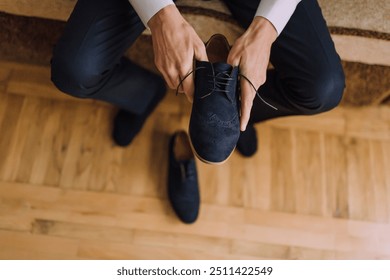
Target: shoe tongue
x,y
222,67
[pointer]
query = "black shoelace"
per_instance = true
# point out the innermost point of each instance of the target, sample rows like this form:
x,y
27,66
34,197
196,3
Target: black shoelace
x,y
257,92
220,81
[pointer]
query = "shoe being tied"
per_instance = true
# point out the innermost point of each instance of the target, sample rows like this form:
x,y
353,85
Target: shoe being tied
x,y
214,126
183,189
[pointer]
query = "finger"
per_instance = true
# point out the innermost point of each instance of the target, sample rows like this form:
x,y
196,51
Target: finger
x,y
174,77
233,57
247,97
190,97
186,77
169,81
188,87
168,77
200,53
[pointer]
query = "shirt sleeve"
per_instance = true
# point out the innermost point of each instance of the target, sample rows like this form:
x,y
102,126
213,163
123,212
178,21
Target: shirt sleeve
x,y
278,12
146,9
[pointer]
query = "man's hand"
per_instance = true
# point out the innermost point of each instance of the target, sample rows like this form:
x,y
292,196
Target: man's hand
x,y
175,45
251,52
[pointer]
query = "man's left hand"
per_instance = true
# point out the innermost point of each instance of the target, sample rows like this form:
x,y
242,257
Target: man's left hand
x,y
251,53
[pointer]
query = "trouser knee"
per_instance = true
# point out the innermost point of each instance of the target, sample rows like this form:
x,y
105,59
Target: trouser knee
x,y
74,78
323,94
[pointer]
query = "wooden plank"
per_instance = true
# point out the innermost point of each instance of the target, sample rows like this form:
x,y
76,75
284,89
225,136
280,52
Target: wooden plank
x,y
379,189
129,236
3,105
57,136
282,178
148,214
90,210
346,243
332,122
84,202
15,221
274,251
224,186
336,177
56,9
77,165
9,139
202,244
56,210
360,180
307,170
32,148
251,177
369,123
105,173
14,215
44,163
109,250
11,240
386,161
361,255
28,254
172,104
208,181
361,122
34,80
81,231
259,195
4,76
21,139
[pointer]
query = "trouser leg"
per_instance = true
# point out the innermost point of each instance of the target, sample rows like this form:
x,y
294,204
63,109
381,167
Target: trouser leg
x,y
307,77
88,58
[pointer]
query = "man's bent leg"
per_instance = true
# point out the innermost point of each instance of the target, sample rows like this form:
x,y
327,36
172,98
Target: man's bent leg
x,y
88,59
308,77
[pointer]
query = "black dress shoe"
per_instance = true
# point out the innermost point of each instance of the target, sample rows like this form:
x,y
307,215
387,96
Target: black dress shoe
x,y
127,125
215,122
183,190
247,143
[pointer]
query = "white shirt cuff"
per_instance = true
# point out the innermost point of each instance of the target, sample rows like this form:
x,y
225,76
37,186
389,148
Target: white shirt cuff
x,y
278,12
146,9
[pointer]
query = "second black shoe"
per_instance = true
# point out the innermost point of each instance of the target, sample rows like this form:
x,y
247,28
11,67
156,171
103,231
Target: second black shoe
x,y
183,189
215,123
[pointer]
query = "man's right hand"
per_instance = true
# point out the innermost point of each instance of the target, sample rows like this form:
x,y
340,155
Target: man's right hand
x,y
175,45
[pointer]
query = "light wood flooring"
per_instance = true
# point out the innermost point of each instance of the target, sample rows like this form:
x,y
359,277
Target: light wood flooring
x,y
319,188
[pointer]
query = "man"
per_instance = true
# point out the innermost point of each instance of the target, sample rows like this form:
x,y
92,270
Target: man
x,y
292,34
307,77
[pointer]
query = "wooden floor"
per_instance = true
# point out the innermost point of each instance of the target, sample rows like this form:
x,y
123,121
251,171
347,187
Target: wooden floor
x,y
318,189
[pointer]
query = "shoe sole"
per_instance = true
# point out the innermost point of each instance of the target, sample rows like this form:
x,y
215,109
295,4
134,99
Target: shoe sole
x,y
207,161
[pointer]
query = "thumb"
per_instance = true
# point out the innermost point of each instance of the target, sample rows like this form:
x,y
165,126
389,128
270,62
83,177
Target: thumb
x,y
188,87
200,53
234,57
246,104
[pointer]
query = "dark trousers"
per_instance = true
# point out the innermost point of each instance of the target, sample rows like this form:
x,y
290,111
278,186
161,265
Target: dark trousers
x,y
88,60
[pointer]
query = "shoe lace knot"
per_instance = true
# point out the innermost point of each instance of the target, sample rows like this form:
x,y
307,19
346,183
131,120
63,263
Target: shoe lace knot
x,y
220,82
